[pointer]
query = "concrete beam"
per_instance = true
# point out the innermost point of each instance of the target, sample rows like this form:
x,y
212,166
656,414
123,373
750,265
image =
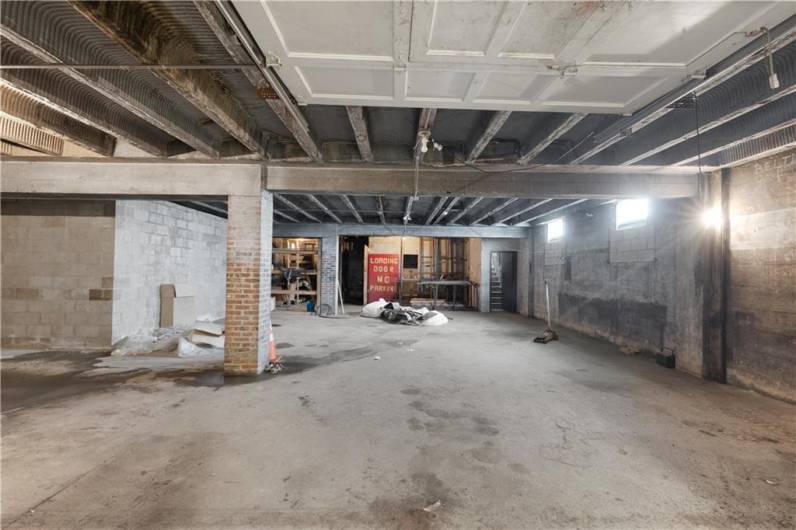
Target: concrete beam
x,y
41,116
132,25
562,182
356,115
351,229
50,42
351,207
285,110
495,123
122,179
540,142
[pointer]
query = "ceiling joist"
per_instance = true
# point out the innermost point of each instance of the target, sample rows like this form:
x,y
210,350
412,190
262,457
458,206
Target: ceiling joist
x,y
552,211
223,23
534,205
55,45
46,118
350,205
356,115
296,207
123,22
472,204
323,207
500,206
495,123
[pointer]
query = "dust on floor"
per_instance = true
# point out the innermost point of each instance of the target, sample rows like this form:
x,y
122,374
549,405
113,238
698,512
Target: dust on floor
x,y
371,423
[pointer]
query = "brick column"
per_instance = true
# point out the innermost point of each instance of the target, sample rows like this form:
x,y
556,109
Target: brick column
x,y
248,315
328,294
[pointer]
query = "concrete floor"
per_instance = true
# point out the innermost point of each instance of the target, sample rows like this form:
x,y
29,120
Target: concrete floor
x,y
504,432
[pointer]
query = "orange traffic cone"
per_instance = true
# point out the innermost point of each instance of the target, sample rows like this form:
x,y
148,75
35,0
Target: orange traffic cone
x,y
274,359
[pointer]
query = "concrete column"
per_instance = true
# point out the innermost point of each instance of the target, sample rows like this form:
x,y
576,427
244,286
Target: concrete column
x,y
248,315
715,256
328,295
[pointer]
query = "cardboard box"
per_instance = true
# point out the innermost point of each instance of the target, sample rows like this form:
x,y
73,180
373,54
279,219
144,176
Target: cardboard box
x,y
197,337
177,304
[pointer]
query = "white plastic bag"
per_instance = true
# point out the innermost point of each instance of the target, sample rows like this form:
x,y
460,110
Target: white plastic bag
x,y
373,309
434,318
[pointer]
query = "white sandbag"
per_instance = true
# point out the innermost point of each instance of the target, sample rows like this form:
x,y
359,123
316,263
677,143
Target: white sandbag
x,y
373,309
434,318
187,348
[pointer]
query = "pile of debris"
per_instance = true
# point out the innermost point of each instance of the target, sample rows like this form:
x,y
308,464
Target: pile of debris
x,y
203,338
395,313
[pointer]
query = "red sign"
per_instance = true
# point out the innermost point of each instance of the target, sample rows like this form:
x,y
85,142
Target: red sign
x,y
383,271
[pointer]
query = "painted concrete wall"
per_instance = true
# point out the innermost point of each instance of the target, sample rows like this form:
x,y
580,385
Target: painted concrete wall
x,y
761,319
616,284
57,273
160,242
392,244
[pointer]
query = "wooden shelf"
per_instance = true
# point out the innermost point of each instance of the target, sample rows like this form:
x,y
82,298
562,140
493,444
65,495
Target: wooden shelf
x,y
288,291
290,251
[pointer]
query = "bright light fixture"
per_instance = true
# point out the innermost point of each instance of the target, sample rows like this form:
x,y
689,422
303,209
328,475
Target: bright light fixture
x,y
711,218
632,212
555,229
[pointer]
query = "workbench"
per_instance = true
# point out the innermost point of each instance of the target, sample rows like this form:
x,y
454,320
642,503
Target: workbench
x,y
435,284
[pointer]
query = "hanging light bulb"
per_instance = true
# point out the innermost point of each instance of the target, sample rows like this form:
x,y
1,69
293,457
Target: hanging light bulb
x,y
424,144
711,217
773,79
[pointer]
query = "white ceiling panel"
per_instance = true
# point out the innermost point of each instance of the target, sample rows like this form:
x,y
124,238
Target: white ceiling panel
x,y
336,81
516,87
438,84
605,57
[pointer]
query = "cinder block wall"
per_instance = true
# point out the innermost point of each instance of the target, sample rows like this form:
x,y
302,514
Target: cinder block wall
x,y
160,242
57,273
761,320
328,278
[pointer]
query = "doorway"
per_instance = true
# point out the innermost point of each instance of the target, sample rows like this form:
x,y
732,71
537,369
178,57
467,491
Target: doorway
x,y
503,281
352,266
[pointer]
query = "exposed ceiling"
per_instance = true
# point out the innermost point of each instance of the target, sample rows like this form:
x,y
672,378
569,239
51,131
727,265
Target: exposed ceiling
x,y
500,85
594,57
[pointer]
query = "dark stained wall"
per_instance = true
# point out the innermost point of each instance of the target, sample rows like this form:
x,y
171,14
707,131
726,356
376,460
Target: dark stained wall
x,y
615,284
761,319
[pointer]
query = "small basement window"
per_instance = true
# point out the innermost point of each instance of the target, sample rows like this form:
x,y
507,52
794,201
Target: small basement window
x,y
631,213
555,229
410,261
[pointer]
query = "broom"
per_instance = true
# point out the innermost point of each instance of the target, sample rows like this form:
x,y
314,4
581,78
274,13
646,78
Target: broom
x,y
548,334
